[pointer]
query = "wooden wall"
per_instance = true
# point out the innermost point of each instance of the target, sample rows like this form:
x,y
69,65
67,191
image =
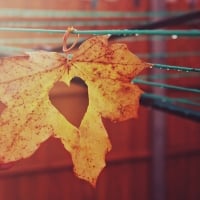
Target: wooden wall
x,y
47,175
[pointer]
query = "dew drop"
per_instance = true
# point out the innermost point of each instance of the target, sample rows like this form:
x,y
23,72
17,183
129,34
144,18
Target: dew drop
x,y
69,56
174,37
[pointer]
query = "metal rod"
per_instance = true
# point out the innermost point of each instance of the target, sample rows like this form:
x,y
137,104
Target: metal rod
x,y
150,100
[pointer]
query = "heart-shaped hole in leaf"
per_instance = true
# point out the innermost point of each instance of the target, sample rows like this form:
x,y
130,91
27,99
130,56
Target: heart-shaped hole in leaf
x,y
71,101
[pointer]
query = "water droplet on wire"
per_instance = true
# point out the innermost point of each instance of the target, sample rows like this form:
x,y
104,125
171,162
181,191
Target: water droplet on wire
x,y
174,37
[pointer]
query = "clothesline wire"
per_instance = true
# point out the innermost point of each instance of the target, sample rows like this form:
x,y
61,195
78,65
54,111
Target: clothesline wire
x,y
177,68
136,32
167,86
162,103
174,99
125,32
43,13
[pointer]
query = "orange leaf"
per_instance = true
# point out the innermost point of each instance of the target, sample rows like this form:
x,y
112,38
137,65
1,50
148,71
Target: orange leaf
x,y
28,118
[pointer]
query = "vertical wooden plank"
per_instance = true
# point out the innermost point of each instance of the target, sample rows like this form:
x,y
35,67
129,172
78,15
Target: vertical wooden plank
x,y
183,178
125,180
158,128
194,178
9,188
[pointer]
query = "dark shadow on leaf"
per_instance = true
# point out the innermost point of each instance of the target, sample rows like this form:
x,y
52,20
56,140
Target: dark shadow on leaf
x,y
2,107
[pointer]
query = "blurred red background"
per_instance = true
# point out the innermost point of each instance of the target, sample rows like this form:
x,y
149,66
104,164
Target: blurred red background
x,y
130,172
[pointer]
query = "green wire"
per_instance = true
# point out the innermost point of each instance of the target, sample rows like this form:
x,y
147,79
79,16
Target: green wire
x,y
167,76
162,85
10,12
75,23
32,30
125,32
173,100
178,68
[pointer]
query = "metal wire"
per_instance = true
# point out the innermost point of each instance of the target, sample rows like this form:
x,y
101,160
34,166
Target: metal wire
x,y
157,102
178,68
125,32
140,32
42,13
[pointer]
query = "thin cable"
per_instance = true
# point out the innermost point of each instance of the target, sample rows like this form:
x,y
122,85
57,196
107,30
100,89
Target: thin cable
x,y
156,102
178,68
65,23
125,32
40,13
167,86
173,100
140,32
168,76
32,30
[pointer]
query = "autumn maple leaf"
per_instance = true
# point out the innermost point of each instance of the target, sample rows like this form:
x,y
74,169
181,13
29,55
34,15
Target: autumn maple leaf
x,y
29,118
